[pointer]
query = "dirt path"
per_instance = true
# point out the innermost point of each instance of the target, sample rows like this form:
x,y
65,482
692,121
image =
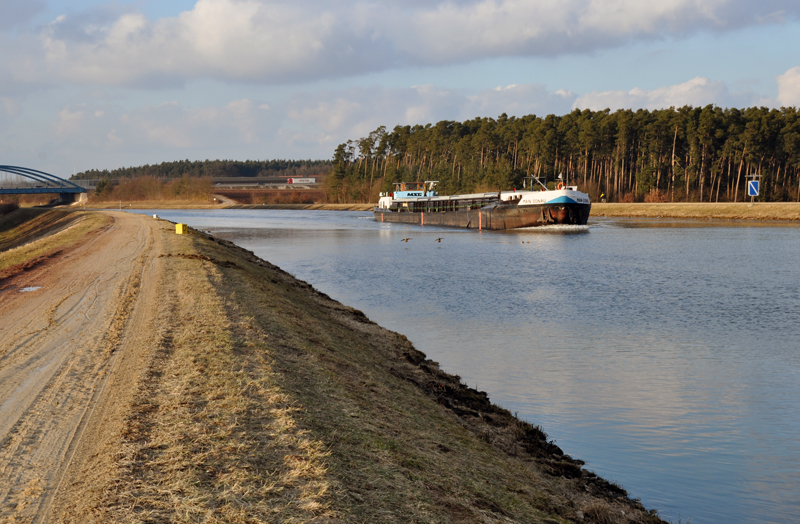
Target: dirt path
x,y
58,344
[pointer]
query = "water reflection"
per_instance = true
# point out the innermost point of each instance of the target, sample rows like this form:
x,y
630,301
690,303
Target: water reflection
x,y
663,356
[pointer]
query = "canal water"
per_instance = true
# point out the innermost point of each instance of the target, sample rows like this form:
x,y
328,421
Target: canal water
x,y
664,353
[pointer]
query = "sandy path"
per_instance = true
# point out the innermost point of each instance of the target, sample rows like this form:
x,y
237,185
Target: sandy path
x,y
57,347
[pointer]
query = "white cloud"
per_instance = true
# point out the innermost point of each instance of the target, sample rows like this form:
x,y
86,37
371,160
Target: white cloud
x,y
519,100
789,87
113,139
699,91
169,135
9,107
68,121
280,41
99,134
334,117
231,39
450,31
308,125
327,114
173,126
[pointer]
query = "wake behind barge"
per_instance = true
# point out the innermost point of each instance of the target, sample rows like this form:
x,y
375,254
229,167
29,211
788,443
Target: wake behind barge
x,y
419,203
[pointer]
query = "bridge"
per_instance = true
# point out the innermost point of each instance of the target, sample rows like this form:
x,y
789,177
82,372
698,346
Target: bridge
x,y
15,180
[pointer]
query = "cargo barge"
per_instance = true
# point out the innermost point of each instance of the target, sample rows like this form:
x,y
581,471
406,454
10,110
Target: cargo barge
x,y
420,203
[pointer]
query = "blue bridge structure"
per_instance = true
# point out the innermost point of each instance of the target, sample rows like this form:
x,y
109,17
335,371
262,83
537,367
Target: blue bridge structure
x,y
15,180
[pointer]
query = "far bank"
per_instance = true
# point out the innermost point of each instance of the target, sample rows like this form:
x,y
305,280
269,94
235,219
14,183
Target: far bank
x,y
760,211
182,204
771,211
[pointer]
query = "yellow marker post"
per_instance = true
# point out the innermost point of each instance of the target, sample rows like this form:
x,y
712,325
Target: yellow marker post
x,y
181,229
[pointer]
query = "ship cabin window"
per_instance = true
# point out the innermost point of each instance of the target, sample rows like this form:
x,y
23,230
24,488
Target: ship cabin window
x,y
409,186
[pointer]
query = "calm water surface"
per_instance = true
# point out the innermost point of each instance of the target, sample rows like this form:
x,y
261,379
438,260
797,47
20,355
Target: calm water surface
x,y
663,353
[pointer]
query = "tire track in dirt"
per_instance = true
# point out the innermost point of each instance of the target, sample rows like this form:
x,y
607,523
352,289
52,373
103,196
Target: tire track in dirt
x,y
57,345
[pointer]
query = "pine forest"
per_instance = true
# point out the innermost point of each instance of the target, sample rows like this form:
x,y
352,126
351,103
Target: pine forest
x,y
688,154
214,169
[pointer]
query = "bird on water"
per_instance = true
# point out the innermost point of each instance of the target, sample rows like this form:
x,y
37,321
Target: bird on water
x,y
439,239
405,239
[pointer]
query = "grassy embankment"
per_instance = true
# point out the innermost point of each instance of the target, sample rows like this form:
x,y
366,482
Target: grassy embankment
x,y
30,236
266,401
789,211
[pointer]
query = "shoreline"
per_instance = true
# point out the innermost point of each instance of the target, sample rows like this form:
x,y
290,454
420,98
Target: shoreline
x,y
250,393
758,212
159,204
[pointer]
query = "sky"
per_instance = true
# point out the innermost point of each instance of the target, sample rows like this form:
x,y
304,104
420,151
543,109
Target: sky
x,y
87,84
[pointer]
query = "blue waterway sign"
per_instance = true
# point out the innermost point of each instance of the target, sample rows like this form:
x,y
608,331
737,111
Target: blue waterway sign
x,y
752,188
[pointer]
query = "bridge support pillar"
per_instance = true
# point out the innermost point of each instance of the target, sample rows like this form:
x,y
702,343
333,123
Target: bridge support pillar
x,y
66,198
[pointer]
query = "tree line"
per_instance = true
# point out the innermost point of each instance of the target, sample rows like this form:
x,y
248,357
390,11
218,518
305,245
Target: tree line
x,y
687,154
213,169
147,188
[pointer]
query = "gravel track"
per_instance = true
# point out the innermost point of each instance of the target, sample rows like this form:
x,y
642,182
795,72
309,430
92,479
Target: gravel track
x,y
60,345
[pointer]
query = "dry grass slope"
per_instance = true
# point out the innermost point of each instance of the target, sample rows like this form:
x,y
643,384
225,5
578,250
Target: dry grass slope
x,y
31,236
266,401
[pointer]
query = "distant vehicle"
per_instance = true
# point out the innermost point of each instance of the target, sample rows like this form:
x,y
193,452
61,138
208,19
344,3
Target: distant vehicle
x,y
301,180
